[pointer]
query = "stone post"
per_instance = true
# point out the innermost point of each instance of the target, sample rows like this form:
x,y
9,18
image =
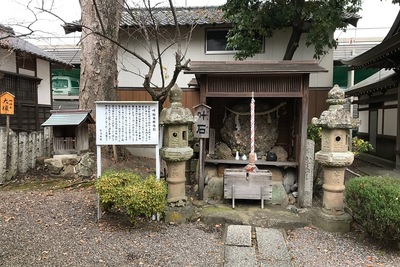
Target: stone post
x,y
176,152
23,152
334,156
13,164
306,188
3,151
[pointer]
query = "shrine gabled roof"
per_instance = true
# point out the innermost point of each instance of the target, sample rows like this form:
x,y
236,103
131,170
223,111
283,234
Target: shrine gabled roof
x,y
385,55
382,80
254,67
68,117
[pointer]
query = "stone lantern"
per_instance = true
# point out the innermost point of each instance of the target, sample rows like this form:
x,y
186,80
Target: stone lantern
x,y
176,151
336,124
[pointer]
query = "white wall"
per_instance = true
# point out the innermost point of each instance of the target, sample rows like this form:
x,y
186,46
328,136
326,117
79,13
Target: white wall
x,y
390,122
44,87
274,50
364,117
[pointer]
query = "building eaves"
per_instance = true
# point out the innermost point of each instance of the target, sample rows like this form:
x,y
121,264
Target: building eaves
x,y
382,80
384,55
9,41
254,67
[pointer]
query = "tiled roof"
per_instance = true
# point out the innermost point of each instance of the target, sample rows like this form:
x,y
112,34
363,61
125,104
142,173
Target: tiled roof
x,y
8,40
190,16
185,16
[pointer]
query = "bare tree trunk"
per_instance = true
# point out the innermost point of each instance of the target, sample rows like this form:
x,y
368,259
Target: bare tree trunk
x,y
99,54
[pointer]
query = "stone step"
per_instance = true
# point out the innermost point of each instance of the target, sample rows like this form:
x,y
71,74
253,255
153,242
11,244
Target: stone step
x,y
247,246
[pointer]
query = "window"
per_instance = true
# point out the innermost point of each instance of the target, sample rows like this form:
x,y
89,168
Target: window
x,y
216,41
26,61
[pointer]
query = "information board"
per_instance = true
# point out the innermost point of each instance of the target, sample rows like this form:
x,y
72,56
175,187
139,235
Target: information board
x,y
127,123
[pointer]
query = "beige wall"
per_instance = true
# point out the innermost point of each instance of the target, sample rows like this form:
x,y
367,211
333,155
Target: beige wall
x,y
44,87
274,50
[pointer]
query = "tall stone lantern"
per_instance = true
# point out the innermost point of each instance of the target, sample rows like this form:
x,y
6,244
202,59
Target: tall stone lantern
x,y
176,151
336,124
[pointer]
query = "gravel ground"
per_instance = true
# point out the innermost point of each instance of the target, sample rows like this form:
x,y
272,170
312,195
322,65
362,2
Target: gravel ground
x,y
310,246
58,228
45,227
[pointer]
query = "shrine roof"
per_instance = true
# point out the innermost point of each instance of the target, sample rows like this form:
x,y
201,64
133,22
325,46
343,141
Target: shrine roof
x,y
384,55
68,117
254,67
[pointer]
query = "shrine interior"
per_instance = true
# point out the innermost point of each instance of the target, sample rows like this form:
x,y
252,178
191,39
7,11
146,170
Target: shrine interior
x,y
282,113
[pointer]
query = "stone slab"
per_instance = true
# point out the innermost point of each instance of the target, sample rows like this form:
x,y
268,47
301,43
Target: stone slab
x,y
240,256
275,264
238,235
271,245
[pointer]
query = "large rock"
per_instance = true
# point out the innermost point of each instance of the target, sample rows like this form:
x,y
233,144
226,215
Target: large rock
x,y
289,179
214,190
87,165
236,129
279,195
54,165
222,151
280,152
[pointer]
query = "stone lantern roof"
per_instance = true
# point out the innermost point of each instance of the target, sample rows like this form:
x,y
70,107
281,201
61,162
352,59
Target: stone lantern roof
x,y
176,113
336,116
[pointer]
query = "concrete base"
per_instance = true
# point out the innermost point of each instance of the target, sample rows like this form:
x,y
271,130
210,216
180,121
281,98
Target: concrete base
x,y
332,223
179,214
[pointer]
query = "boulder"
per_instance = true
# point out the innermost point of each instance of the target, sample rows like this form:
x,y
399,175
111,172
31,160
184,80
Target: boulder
x,y
236,134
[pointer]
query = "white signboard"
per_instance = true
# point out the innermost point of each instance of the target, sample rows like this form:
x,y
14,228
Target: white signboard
x,y
127,123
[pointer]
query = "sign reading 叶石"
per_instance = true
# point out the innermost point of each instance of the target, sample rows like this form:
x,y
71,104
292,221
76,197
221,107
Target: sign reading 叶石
x,y
6,103
127,123
202,125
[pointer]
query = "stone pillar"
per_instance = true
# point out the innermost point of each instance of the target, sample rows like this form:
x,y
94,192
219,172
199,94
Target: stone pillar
x,y
13,164
333,189
176,181
334,156
23,152
306,186
3,151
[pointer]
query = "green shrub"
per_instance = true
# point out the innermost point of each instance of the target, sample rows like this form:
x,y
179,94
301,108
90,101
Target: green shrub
x,y
315,133
360,146
131,193
375,203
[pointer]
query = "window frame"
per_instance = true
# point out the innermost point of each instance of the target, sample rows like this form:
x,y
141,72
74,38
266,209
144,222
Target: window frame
x,y
223,52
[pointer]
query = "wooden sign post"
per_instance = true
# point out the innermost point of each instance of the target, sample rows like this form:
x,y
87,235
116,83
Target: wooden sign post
x,y
202,131
7,108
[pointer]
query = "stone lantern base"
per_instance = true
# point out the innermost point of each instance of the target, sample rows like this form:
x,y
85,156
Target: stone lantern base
x,y
338,223
179,215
